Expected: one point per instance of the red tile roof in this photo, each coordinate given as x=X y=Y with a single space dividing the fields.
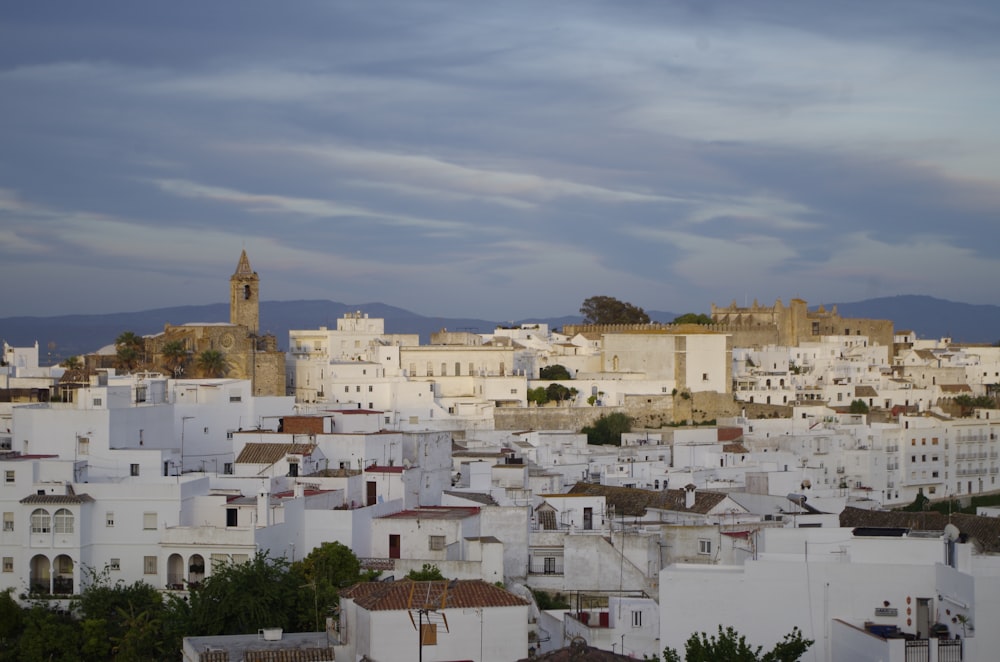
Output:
x=442 y=594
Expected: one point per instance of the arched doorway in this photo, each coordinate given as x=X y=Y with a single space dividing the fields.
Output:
x=40 y=579
x=175 y=572
x=62 y=580
x=196 y=569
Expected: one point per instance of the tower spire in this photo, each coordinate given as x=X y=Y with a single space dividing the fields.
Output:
x=243 y=266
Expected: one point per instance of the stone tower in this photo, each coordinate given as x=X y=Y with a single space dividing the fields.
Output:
x=244 y=292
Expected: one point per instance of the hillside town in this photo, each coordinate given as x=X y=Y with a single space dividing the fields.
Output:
x=602 y=487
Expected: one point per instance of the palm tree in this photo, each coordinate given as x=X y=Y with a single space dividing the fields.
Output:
x=72 y=363
x=129 y=347
x=175 y=355
x=212 y=363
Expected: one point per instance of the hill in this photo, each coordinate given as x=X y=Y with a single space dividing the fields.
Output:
x=67 y=335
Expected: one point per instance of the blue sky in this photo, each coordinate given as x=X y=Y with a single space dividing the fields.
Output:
x=498 y=160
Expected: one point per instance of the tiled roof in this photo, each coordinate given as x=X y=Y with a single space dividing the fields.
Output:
x=956 y=388
x=984 y=531
x=634 y=502
x=735 y=447
x=865 y=391
x=442 y=594
x=435 y=512
x=478 y=497
x=269 y=453
x=56 y=499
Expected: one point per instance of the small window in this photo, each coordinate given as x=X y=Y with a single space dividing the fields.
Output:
x=149 y=521
x=149 y=565
x=370 y=388
x=227 y=468
x=109 y=519
x=8 y=476
x=240 y=558
x=704 y=546
x=229 y=434
x=115 y=565
x=232 y=516
x=435 y=543
x=637 y=619
x=8 y=521
x=550 y=565
x=8 y=564
x=134 y=469
x=98 y=402
x=704 y=376
x=347 y=389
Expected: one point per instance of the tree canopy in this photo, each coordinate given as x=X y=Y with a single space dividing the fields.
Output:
x=556 y=371
x=429 y=572
x=730 y=646
x=608 y=429
x=212 y=363
x=858 y=407
x=609 y=310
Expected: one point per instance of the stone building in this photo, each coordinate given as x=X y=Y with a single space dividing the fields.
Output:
x=246 y=353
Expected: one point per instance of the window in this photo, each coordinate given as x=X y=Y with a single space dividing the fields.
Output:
x=704 y=546
x=63 y=521
x=149 y=565
x=637 y=619
x=8 y=477
x=704 y=376
x=8 y=521
x=40 y=522
x=236 y=398
x=370 y=388
x=149 y=521
x=227 y=468
x=98 y=402
x=240 y=558
x=219 y=559
x=109 y=519
x=232 y=517
x=550 y=565
x=115 y=565
x=8 y=564
x=435 y=543
x=134 y=469
x=934 y=441
x=347 y=389
x=229 y=434
x=357 y=389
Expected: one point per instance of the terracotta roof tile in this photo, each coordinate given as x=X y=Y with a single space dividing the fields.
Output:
x=269 y=453
x=634 y=502
x=442 y=594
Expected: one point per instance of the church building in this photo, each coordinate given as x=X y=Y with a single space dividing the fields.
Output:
x=235 y=349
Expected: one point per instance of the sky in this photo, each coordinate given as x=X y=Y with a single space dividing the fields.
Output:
x=500 y=160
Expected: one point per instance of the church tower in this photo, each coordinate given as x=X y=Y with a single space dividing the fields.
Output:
x=244 y=290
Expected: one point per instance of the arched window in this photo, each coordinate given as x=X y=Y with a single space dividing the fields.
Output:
x=63 y=521
x=40 y=521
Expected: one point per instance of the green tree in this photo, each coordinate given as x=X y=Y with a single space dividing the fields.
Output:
x=175 y=355
x=72 y=363
x=608 y=429
x=539 y=395
x=609 y=310
x=119 y=615
x=731 y=646
x=212 y=363
x=128 y=351
x=326 y=570
x=240 y=598
x=859 y=407
x=554 y=372
x=693 y=318
x=557 y=392
x=429 y=572
x=48 y=636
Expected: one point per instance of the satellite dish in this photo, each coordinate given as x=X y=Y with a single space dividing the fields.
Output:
x=951 y=532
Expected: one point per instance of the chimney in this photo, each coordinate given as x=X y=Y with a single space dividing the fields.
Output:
x=689 y=495
x=263 y=507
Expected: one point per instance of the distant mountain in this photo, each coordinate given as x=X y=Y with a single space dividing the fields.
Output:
x=68 y=335
x=930 y=317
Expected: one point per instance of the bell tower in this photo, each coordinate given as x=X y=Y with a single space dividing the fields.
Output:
x=244 y=291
